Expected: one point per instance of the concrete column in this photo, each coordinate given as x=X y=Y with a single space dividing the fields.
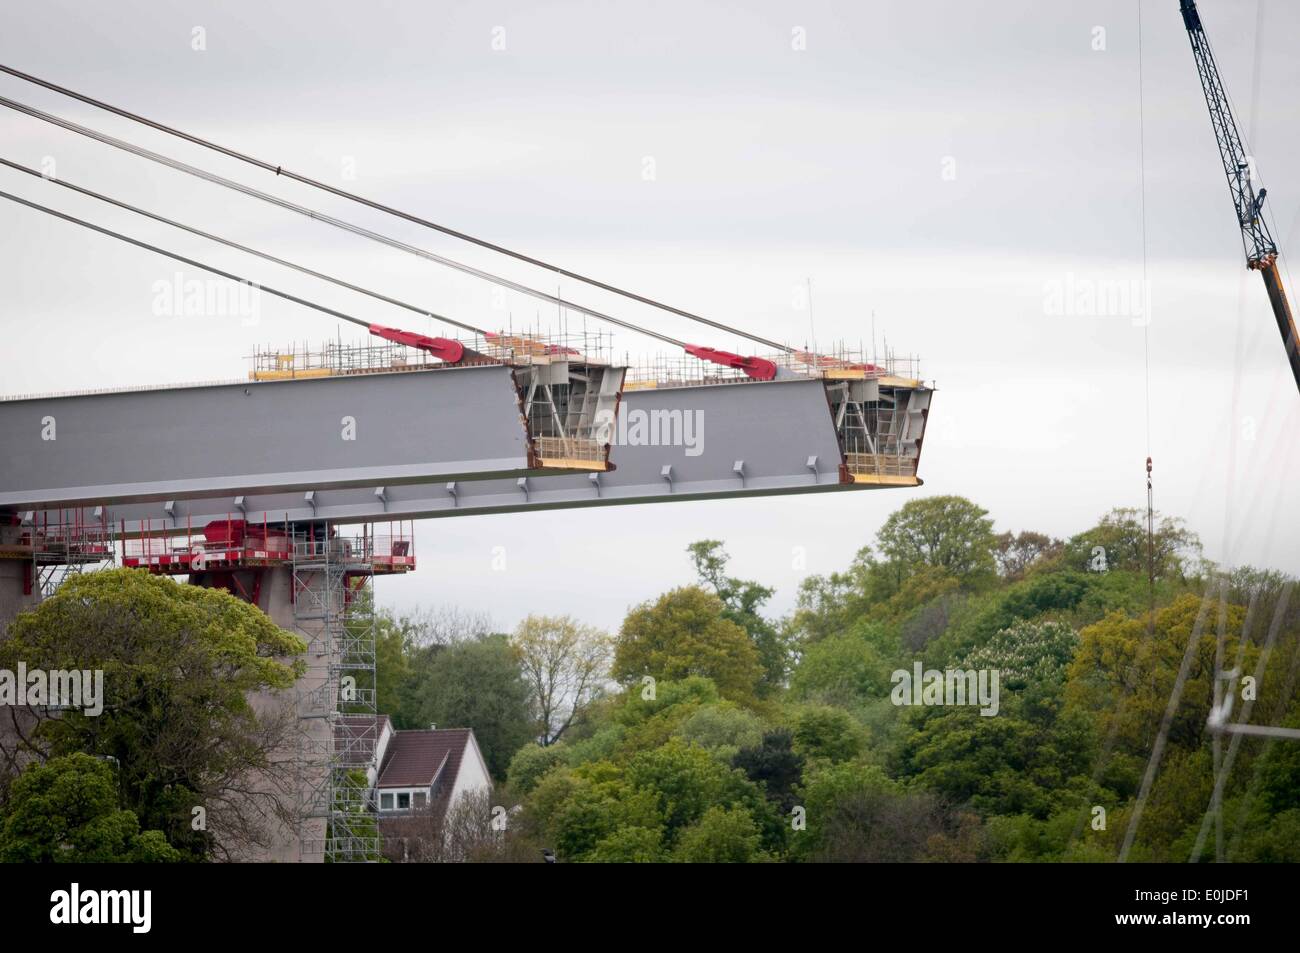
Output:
x=314 y=702
x=310 y=702
x=12 y=600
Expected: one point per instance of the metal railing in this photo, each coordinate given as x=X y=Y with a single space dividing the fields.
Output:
x=683 y=370
x=570 y=448
x=259 y=542
x=880 y=464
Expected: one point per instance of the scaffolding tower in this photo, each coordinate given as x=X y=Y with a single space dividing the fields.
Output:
x=333 y=606
x=61 y=544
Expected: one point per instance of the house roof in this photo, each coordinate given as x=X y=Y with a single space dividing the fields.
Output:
x=415 y=759
x=356 y=738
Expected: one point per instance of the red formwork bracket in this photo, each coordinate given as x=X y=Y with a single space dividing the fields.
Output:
x=442 y=348
x=754 y=367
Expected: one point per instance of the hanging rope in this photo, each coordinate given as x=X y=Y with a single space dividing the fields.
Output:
x=1146 y=329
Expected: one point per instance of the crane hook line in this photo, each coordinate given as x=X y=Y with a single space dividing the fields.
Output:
x=389 y=210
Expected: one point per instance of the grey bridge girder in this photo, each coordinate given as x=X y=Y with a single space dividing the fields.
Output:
x=748 y=439
x=460 y=423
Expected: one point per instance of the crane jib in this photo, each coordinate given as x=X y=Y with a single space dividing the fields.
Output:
x=1257 y=241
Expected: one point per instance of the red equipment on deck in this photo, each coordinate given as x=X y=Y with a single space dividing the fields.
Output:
x=444 y=349
x=755 y=367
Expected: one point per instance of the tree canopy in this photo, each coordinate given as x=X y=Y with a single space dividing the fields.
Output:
x=944 y=532
x=65 y=810
x=565 y=664
x=704 y=764
x=476 y=683
x=180 y=666
x=686 y=632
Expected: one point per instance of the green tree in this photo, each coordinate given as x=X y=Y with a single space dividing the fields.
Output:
x=639 y=705
x=577 y=811
x=66 y=811
x=685 y=633
x=648 y=719
x=945 y=532
x=685 y=781
x=1119 y=541
x=1046 y=596
x=856 y=813
x=1123 y=678
x=180 y=663
x=1027 y=653
x=530 y=763
x=827 y=733
x=477 y=684
x=404 y=648
x=722 y=729
x=1015 y=763
x=565 y=664
x=743 y=599
x=394 y=677
x=832 y=603
x=630 y=845
x=721 y=836
x=845 y=668
x=930 y=548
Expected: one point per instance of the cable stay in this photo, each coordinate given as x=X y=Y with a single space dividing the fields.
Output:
x=445 y=349
x=387 y=333
x=302 y=269
x=370 y=203
x=754 y=367
x=215 y=179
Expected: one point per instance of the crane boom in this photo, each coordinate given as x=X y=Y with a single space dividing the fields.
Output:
x=1257 y=240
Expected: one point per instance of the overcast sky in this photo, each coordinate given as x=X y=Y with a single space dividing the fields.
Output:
x=950 y=166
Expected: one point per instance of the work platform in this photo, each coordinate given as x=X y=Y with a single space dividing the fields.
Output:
x=231 y=545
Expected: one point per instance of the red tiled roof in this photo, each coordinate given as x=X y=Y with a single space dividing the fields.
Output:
x=415 y=758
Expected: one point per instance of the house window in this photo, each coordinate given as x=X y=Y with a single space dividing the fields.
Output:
x=403 y=802
x=419 y=799
x=385 y=802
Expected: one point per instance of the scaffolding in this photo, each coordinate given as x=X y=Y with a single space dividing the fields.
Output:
x=567 y=386
x=341 y=358
x=55 y=545
x=838 y=363
x=571 y=408
x=881 y=428
x=333 y=606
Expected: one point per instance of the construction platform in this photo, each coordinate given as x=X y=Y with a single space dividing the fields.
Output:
x=234 y=544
